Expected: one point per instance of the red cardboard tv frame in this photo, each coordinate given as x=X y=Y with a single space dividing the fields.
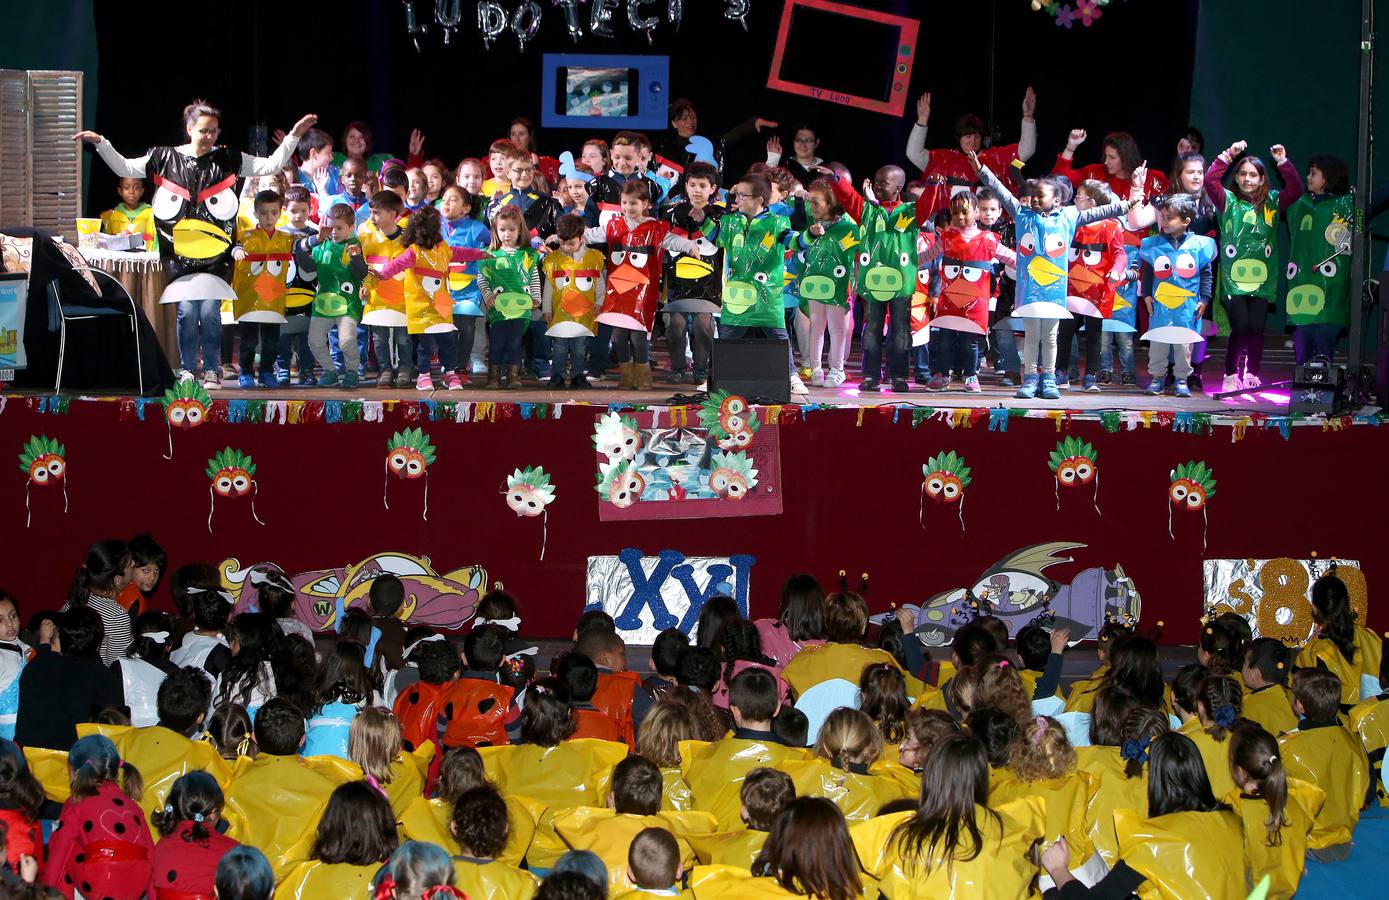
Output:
x=902 y=67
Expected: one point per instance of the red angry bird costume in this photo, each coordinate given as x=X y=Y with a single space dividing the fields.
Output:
x=1096 y=252
x=966 y=267
x=633 y=273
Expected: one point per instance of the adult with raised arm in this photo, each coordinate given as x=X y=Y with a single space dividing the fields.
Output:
x=195 y=208
x=1121 y=157
x=948 y=170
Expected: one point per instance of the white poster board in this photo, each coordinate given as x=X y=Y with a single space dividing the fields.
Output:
x=647 y=594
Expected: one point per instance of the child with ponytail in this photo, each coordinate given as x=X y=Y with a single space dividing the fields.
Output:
x=21 y=797
x=190 y=848
x=102 y=844
x=1278 y=811
x=1342 y=646
x=1219 y=703
x=1121 y=772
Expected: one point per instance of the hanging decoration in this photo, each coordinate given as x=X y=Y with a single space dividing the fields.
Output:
x=491 y=21
x=185 y=407
x=448 y=13
x=1192 y=485
x=600 y=18
x=737 y=11
x=731 y=475
x=409 y=454
x=528 y=493
x=570 y=9
x=1086 y=12
x=1074 y=464
x=617 y=437
x=232 y=474
x=675 y=13
x=728 y=420
x=413 y=28
x=945 y=477
x=44 y=462
x=620 y=483
x=645 y=24
x=526 y=22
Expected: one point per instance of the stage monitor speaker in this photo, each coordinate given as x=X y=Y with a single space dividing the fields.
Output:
x=753 y=368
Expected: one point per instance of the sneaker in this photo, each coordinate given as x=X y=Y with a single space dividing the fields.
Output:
x=1181 y=389
x=1050 y=389
x=900 y=386
x=703 y=385
x=817 y=378
x=937 y=383
x=1105 y=377
x=972 y=384
x=798 y=386
x=349 y=381
x=1128 y=378
x=1090 y=384
x=270 y=380
x=245 y=381
x=185 y=375
x=1155 y=386
x=228 y=373
x=452 y=382
x=1063 y=383
x=328 y=379
x=211 y=381
x=1010 y=380
x=282 y=378
x=556 y=382
x=834 y=378
x=580 y=383
x=386 y=379
x=870 y=385
x=424 y=382
x=402 y=378
x=1230 y=384
x=921 y=378
x=478 y=366
x=1028 y=389
x=464 y=379
x=306 y=379
x=1251 y=382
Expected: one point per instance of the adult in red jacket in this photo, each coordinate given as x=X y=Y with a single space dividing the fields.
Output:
x=1121 y=157
x=948 y=171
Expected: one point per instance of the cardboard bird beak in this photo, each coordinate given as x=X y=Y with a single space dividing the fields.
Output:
x=1044 y=271
x=627 y=278
x=196 y=239
x=1171 y=296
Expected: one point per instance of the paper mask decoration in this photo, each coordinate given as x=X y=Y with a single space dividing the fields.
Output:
x=728 y=420
x=44 y=462
x=1015 y=590
x=945 y=478
x=1192 y=486
x=1074 y=462
x=620 y=483
x=185 y=406
x=1275 y=595
x=437 y=599
x=731 y=475
x=409 y=454
x=617 y=437
x=568 y=170
x=232 y=474
x=528 y=493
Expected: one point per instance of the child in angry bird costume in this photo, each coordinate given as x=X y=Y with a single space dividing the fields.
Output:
x=635 y=806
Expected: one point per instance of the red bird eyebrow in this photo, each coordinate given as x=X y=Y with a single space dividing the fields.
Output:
x=217 y=188
x=172 y=187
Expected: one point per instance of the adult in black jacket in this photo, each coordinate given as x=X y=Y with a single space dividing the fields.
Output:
x=59 y=690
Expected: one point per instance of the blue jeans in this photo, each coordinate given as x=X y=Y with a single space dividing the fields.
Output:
x=292 y=347
x=383 y=337
x=738 y=332
x=566 y=352
x=1122 y=342
x=540 y=349
x=505 y=341
x=955 y=351
x=445 y=343
x=899 y=337
x=1309 y=341
x=335 y=351
x=1006 y=343
x=599 y=350
x=200 y=325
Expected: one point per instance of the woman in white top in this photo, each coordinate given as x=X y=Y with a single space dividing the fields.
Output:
x=98 y=582
x=145 y=666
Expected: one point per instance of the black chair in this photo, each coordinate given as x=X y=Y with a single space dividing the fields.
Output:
x=60 y=314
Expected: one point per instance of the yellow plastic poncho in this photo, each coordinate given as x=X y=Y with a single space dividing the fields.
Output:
x=1272 y=707
x=1216 y=755
x=1369 y=652
x=1284 y=862
x=385 y=300
x=1185 y=856
x=162 y=756
x=1333 y=759
x=609 y=834
x=1370 y=720
x=728 y=848
x=823 y=662
x=569 y=774
x=1002 y=870
x=859 y=797
x=262 y=278
x=1082 y=695
x=675 y=793
x=314 y=880
x=643 y=894
x=715 y=772
x=273 y=803
x=1116 y=791
x=493 y=878
x=409 y=772
x=892 y=769
x=1066 y=803
x=732 y=883
x=50 y=767
x=428 y=304
x=428 y=820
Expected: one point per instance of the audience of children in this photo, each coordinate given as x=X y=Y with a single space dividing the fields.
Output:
x=849 y=251
x=335 y=795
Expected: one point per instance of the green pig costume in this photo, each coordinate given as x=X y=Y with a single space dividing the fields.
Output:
x=887 y=259
x=754 y=268
x=828 y=269
x=339 y=284
x=509 y=274
x=1319 y=262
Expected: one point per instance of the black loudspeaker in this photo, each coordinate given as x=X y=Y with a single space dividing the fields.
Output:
x=753 y=368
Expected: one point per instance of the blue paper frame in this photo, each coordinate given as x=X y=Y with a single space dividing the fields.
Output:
x=653 y=91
